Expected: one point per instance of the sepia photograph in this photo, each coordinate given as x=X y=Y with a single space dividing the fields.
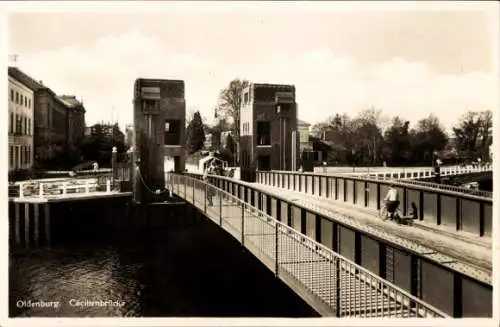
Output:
x=251 y=159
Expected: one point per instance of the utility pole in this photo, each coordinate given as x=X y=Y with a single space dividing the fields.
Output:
x=13 y=59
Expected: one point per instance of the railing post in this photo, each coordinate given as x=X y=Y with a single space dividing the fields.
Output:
x=64 y=188
x=41 y=190
x=185 y=186
x=21 y=190
x=276 y=254
x=194 y=202
x=220 y=207
x=86 y=187
x=242 y=223
x=337 y=286
x=108 y=186
x=205 y=196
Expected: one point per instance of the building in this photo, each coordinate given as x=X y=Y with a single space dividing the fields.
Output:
x=76 y=118
x=57 y=121
x=21 y=117
x=160 y=109
x=268 y=127
x=304 y=143
x=129 y=134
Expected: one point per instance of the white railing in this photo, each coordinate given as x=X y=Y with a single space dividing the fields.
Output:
x=339 y=286
x=418 y=173
x=44 y=190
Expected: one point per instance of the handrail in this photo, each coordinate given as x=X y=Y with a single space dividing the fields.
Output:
x=346 y=284
x=397 y=182
x=41 y=190
x=453 y=188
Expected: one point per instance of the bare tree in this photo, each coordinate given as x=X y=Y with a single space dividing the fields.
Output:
x=230 y=106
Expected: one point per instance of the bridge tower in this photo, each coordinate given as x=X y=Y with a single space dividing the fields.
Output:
x=159 y=124
x=268 y=129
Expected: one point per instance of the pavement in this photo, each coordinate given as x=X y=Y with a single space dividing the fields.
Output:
x=472 y=257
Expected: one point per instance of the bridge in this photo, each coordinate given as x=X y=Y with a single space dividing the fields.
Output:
x=443 y=262
x=330 y=283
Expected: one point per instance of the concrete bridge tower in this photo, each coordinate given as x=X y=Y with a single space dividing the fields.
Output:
x=159 y=124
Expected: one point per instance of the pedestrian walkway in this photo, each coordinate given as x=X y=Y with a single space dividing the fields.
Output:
x=330 y=283
x=465 y=255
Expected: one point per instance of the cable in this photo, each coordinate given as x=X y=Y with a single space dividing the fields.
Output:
x=144 y=183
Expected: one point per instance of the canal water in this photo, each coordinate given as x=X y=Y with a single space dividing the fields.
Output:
x=124 y=264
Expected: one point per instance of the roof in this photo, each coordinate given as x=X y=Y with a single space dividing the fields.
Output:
x=25 y=79
x=301 y=122
x=70 y=101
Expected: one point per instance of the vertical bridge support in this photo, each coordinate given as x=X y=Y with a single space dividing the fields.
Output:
x=159 y=122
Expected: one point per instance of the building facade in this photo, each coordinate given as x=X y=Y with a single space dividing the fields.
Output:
x=304 y=143
x=268 y=127
x=75 y=118
x=20 y=130
x=58 y=121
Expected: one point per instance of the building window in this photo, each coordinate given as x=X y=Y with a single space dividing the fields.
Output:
x=16 y=158
x=150 y=105
x=25 y=101
x=17 y=129
x=263 y=133
x=29 y=155
x=172 y=132
x=29 y=126
x=11 y=156
x=25 y=126
x=11 y=125
x=12 y=95
x=29 y=103
x=17 y=97
x=245 y=98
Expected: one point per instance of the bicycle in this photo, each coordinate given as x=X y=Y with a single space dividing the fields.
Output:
x=384 y=214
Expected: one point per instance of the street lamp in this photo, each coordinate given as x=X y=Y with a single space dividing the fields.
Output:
x=114 y=153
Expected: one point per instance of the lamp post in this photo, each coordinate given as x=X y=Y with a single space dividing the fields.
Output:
x=113 y=165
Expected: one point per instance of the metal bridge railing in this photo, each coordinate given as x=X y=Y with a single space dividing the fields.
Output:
x=452 y=188
x=60 y=187
x=338 y=284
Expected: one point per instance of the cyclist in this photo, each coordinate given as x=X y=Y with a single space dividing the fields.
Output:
x=391 y=201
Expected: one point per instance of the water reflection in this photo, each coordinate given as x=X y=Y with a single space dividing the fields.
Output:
x=192 y=270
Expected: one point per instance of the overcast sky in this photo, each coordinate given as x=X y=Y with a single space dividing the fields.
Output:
x=406 y=62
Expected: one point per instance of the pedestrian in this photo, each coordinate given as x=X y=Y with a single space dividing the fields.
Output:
x=391 y=201
x=210 y=170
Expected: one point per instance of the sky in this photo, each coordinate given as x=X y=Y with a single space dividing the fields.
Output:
x=410 y=60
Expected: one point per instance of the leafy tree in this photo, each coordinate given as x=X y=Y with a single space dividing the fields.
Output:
x=397 y=143
x=99 y=144
x=473 y=134
x=230 y=105
x=428 y=137
x=195 y=133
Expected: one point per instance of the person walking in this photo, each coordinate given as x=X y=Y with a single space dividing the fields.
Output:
x=210 y=170
x=392 y=201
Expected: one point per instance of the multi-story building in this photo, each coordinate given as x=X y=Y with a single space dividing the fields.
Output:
x=20 y=124
x=58 y=121
x=304 y=143
x=268 y=127
x=76 y=118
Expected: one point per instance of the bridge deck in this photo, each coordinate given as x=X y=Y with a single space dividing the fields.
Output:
x=464 y=253
x=303 y=267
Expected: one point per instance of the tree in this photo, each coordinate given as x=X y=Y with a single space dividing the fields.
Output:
x=195 y=134
x=369 y=135
x=230 y=105
x=428 y=137
x=473 y=134
x=397 y=143
x=98 y=145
